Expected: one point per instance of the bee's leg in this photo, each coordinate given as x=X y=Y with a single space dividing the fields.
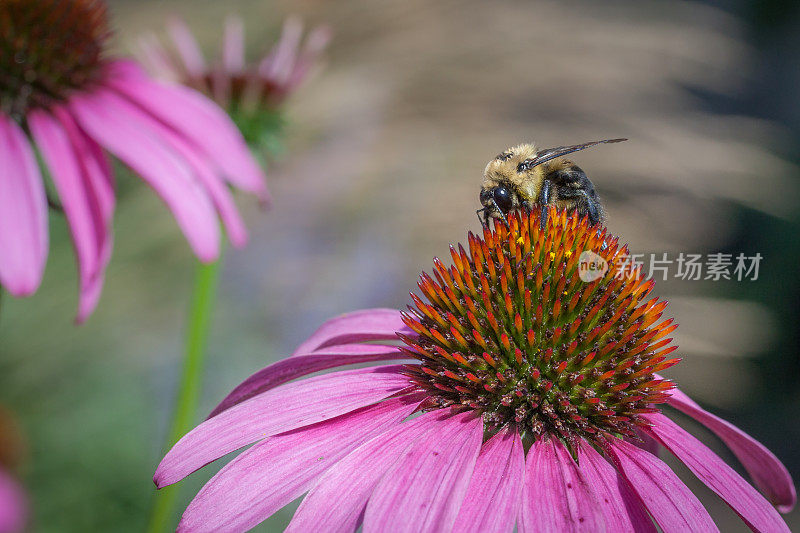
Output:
x=572 y=182
x=544 y=200
x=588 y=203
x=482 y=219
x=594 y=210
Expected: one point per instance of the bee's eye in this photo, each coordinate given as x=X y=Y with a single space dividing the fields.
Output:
x=502 y=197
x=522 y=167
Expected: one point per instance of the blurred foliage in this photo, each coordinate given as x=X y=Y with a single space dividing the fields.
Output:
x=773 y=29
x=263 y=129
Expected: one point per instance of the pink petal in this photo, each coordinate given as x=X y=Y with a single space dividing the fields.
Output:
x=96 y=164
x=495 y=490
x=358 y=326
x=23 y=213
x=669 y=501
x=86 y=211
x=621 y=507
x=279 y=469
x=156 y=59
x=350 y=482
x=280 y=67
x=301 y=365
x=197 y=119
x=100 y=184
x=123 y=130
x=263 y=67
x=425 y=488
x=205 y=172
x=13 y=506
x=220 y=82
x=556 y=495
x=282 y=409
x=233 y=45
x=187 y=48
x=748 y=503
x=645 y=442
x=767 y=471
x=316 y=42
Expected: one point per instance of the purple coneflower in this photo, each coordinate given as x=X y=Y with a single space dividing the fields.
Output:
x=13 y=503
x=63 y=97
x=250 y=92
x=533 y=400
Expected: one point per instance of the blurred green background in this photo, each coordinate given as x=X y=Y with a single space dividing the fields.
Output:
x=380 y=171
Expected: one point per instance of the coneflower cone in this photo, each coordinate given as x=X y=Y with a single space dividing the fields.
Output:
x=513 y=331
x=49 y=48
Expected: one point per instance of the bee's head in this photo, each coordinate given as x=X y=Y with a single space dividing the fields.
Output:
x=504 y=181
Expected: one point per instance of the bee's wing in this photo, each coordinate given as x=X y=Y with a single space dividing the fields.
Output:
x=551 y=153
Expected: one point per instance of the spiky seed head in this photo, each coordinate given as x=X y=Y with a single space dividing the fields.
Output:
x=512 y=330
x=49 y=49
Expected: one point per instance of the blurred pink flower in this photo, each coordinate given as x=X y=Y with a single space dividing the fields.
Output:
x=233 y=83
x=61 y=97
x=13 y=506
x=13 y=502
x=538 y=396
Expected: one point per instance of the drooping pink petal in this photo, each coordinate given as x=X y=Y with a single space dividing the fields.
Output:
x=767 y=471
x=280 y=67
x=187 y=47
x=205 y=171
x=13 y=506
x=294 y=367
x=495 y=490
x=556 y=495
x=425 y=488
x=358 y=326
x=23 y=213
x=278 y=410
x=350 y=482
x=279 y=469
x=156 y=59
x=669 y=501
x=315 y=43
x=96 y=165
x=232 y=61
x=748 y=503
x=68 y=178
x=645 y=442
x=622 y=509
x=233 y=45
x=84 y=209
x=220 y=83
x=100 y=186
x=263 y=67
x=195 y=118
x=118 y=126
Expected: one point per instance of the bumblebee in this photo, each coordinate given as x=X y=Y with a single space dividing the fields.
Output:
x=525 y=176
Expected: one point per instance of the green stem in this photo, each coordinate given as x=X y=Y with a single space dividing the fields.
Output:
x=203 y=297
